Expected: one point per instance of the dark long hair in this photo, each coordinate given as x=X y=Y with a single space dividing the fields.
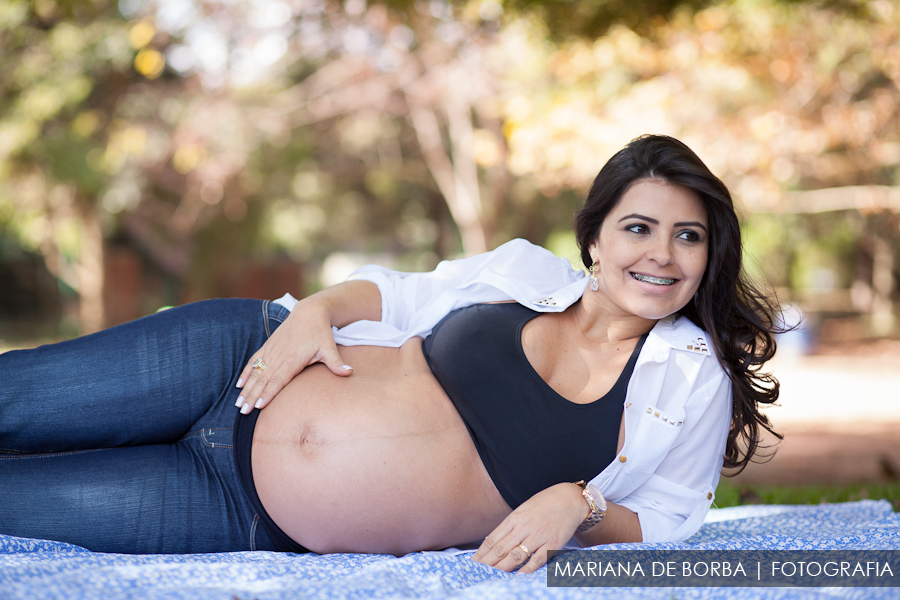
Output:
x=738 y=316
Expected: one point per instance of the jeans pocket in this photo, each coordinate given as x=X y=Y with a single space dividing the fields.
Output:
x=219 y=437
x=273 y=316
x=253 y=529
x=259 y=536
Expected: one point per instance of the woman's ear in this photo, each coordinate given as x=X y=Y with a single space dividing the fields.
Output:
x=593 y=250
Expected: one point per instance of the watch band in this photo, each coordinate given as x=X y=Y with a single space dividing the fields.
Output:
x=597 y=513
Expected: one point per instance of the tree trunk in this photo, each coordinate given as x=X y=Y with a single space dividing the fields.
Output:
x=91 y=311
x=456 y=174
x=882 y=284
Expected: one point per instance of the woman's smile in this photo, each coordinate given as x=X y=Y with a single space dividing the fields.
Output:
x=653 y=280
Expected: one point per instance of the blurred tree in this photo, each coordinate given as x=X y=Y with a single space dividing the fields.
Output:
x=98 y=141
x=776 y=97
x=204 y=131
x=56 y=56
x=430 y=77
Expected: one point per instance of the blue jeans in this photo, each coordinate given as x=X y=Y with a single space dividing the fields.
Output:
x=121 y=441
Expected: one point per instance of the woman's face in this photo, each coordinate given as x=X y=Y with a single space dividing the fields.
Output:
x=652 y=250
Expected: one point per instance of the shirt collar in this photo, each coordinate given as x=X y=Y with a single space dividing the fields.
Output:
x=676 y=332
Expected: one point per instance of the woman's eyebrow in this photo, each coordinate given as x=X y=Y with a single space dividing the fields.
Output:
x=655 y=222
x=692 y=224
x=637 y=216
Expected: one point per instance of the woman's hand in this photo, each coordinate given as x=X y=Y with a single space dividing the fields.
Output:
x=546 y=521
x=303 y=339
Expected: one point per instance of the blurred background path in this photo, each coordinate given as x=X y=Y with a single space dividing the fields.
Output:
x=840 y=415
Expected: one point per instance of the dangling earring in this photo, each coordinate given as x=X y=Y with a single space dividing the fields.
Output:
x=595 y=285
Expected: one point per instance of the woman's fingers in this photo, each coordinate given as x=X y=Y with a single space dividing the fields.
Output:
x=518 y=555
x=253 y=381
x=271 y=368
x=506 y=548
x=245 y=374
x=260 y=385
x=331 y=358
x=264 y=385
x=537 y=560
x=527 y=555
x=492 y=549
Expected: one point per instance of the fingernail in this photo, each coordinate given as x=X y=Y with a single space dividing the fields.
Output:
x=240 y=382
x=347 y=367
x=240 y=401
x=259 y=403
x=245 y=410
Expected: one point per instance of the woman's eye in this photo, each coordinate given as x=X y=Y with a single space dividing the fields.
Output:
x=637 y=228
x=690 y=236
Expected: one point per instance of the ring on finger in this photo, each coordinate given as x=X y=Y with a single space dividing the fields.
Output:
x=259 y=364
x=525 y=550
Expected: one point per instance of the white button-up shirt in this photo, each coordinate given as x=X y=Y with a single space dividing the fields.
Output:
x=678 y=403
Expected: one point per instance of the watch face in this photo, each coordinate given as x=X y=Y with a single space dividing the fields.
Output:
x=597 y=496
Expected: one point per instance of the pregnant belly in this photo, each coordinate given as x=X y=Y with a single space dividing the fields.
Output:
x=376 y=462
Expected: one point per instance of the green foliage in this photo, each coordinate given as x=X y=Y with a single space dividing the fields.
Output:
x=815 y=253
x=567 y=19
x=562 y=243
x=57 y=58
x=593 y=18
x=767 y=249
x=53 y=59
x=824 y=258
x=730 y=494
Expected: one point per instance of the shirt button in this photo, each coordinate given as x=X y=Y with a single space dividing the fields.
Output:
x=623 y=458
x=709 y=496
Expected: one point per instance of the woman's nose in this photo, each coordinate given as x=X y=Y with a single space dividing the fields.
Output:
x=661 y=251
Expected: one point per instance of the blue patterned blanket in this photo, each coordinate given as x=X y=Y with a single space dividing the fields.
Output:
x=38 y=569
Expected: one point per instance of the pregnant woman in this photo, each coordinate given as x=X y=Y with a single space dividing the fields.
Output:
x=502 y=399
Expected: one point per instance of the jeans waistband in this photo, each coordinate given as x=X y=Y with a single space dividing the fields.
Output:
x=243 y=442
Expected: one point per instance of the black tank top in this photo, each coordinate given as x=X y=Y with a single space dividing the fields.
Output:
x=528 y=436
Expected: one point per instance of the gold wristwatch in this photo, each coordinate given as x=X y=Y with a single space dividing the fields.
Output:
x=595 y=501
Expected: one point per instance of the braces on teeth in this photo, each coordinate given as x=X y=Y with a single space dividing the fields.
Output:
x=656 y=280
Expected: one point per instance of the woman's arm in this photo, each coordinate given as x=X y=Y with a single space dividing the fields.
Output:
x=619 y=526
x=668 y=511
x=413 y=303
x=402 y=305
x=546 y=521
x=306 y=338
x=673 y=501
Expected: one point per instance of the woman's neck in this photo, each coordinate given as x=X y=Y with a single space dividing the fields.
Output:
x=600 y=323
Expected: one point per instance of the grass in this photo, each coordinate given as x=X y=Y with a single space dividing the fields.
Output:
x=729 y=494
